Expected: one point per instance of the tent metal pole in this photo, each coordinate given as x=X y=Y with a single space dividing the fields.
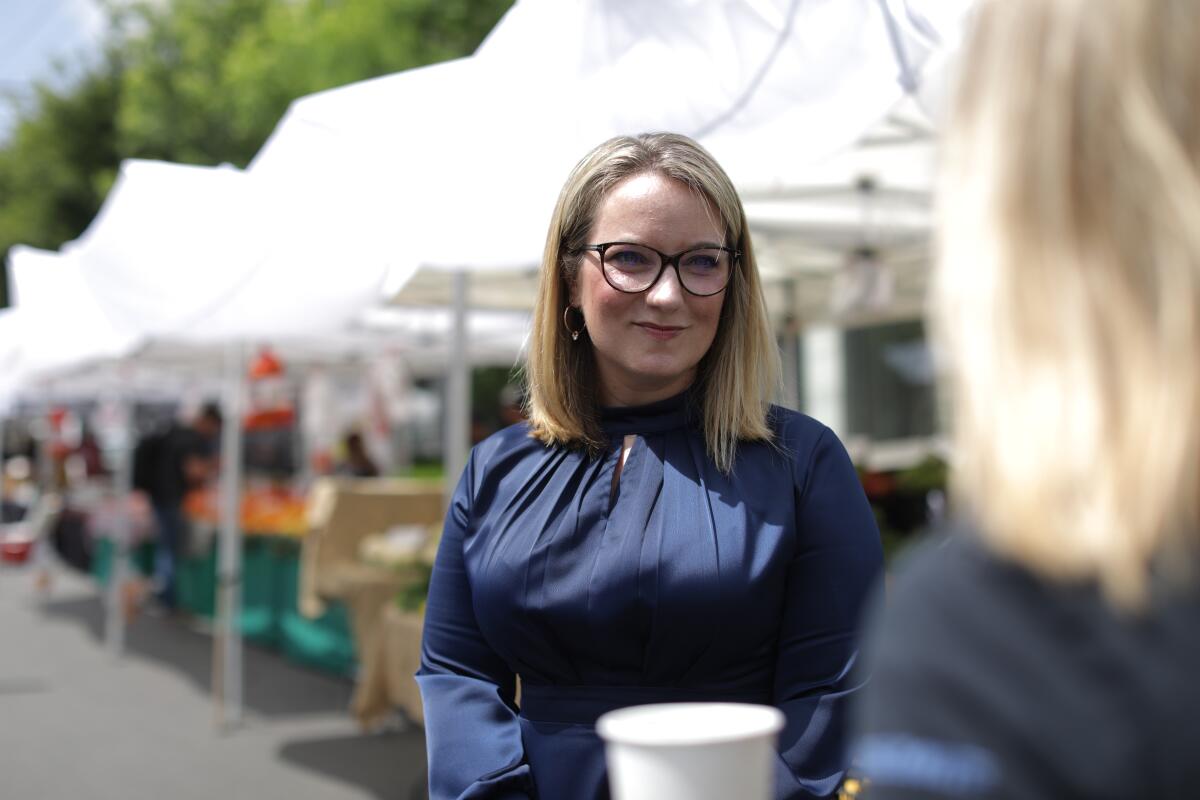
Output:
x=790 y=348
x=824 y=375
x=458 y=388
x=114 y=628
x=227 y=660
x=43 y=435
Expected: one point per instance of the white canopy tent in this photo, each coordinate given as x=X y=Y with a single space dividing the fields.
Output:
x=210 y=255
x=10 y=355
x=456 y=167
x=60 y=325
x=770 y=88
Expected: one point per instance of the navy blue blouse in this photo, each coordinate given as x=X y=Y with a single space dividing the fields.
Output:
x=682 y=584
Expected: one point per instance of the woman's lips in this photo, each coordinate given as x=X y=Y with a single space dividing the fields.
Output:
x=660 y=332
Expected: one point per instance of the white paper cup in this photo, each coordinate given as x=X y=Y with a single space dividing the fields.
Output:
x=691 y=751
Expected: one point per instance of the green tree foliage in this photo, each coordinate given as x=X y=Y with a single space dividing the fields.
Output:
x=59 y=163
x=304 y=47
x=205 y=82
x=176 y=98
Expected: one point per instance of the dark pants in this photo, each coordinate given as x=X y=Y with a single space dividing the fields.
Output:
x=171 y=527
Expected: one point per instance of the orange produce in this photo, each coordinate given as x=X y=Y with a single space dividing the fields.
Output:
x=264 y=511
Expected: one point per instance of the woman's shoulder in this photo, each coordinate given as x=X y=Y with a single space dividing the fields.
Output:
x=799 y=434
x=1040 y=677
x=942 y=585
x=514 y=441
x=511 y=461
x=791 y=425
x=943 y=588
x=801 y=441
x=946 y=550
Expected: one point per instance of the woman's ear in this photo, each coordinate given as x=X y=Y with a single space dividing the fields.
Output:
x=574 y=296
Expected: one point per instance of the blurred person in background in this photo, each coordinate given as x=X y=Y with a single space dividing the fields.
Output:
x=657 y=531
x=512 y=405
x=168 y=464
x=18 y=489
x=1049 y=647
x=88 y=456
x=357 y=462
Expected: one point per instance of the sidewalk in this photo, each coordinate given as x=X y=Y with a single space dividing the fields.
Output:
x=77 y=723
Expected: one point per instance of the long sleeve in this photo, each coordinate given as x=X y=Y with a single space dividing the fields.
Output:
x=473 y=736
x=838 y=559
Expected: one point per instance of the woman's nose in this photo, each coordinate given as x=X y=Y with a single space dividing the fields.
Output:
x=667 y=291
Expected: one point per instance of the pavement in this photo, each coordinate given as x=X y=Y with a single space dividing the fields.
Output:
x=79 y=722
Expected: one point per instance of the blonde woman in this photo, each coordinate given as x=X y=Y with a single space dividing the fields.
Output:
x=1051 y=648
x=657 y=531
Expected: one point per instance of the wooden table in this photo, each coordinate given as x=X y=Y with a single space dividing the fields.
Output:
x=388 y=665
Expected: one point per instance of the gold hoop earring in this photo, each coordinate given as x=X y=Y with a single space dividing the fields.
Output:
x=567 y=325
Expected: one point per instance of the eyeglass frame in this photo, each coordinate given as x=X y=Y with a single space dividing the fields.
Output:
x=667 y=261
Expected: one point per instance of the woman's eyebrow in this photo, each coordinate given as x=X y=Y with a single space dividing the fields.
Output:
x=693 y=246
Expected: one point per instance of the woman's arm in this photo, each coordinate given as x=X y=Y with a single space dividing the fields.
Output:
x=472 y=733
x=838 y=559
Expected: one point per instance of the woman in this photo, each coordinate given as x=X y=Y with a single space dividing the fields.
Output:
x=1050 y=648
x=656 y=531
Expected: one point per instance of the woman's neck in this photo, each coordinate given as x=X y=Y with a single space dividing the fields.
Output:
x=620 y=394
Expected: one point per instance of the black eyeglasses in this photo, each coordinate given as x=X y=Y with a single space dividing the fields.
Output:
x=633 y=268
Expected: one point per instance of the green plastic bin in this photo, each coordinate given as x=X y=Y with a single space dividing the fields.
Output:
x=141 y=558
x=196 y=583
x=325 y=643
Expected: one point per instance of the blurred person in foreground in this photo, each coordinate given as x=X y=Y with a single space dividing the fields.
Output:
x=1050 y=646
x=167 y=465
x=657 y=531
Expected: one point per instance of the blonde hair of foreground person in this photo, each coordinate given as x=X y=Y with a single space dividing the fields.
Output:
x=1067 y=287
x=739 y=375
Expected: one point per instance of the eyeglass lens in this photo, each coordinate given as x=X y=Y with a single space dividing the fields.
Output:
x=633 y=268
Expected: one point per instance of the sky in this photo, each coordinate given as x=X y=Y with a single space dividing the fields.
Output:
x=34 y=35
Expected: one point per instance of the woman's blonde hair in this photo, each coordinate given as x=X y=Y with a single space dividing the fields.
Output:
x=740 y=373
x=1066 y=291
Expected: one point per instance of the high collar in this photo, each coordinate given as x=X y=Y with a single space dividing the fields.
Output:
x=662 y=415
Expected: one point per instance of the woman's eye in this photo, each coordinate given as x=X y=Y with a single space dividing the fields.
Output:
x=700 y=261
x=627 y=258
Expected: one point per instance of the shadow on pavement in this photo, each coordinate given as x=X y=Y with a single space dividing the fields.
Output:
x=389 y=766
x=272 y=687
